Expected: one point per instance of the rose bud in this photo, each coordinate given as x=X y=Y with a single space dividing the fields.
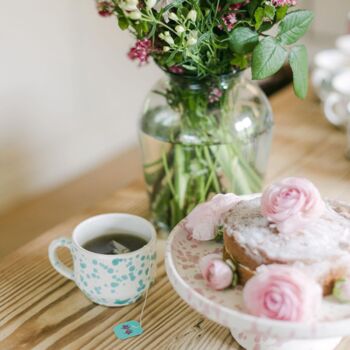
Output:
x=216 y=272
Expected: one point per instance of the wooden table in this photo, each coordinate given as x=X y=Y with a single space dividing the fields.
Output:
x=39 y=309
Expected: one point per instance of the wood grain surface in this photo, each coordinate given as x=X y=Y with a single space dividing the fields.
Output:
x=39 y=309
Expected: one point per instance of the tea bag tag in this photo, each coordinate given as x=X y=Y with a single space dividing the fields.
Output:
x=119 y=248
x=131 y=328
x=127 y=330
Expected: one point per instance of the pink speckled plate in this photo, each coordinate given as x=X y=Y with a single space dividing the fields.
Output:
x=226 y=307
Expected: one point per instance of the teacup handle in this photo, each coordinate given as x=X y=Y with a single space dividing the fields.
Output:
x=331 y=116
x=56 y=262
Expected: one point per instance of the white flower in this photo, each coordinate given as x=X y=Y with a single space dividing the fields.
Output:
x=150 y=3
x=129 y=6
x=192 y=15
x=160 y=5
x=167 y=38
x=173 y=16
x=192 y=38
x=166 y=48
x=135 y=15
x=179 y=29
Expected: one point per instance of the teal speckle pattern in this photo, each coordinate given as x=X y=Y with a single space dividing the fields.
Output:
x=118 y=281
x=116 y=261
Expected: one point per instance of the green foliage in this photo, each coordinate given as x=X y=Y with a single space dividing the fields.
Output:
x=270 y=12
x=243 y=40
x=268 y=57
x=240 y=61
x=259 y=15
x=281 y=13
x=219 y=234
x=294 y=26
x=299 y=64
x=123 y=23
x=211 y=37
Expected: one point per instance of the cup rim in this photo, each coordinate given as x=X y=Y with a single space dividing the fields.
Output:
x=115 y=256
x=335 y=80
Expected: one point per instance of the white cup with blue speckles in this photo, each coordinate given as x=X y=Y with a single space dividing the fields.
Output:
x=110 y=280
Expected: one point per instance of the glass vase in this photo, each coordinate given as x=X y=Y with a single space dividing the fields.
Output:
x=200 y=137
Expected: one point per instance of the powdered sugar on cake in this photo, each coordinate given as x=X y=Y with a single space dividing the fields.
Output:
x=324 y=241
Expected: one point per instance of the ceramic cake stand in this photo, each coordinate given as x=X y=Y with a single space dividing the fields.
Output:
x=226 y=307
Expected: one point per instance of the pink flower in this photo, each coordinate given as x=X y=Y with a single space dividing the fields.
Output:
x=176 y=70
x=104 y=8
x=215 y=271
x=282 y=293
x=202 y=222
x=278 y=3
x=230 y=20
x=214 y=95
x=341 y=290
x=141 y=51
x=291 y=204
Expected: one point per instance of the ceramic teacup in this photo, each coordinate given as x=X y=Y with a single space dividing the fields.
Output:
x=343 y=44
x=337 y=104
x=110 y=280
x=327 y=63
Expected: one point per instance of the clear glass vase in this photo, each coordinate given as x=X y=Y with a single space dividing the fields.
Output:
x=200 y=137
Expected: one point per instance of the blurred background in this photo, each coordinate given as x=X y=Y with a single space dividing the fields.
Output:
x=69 y=105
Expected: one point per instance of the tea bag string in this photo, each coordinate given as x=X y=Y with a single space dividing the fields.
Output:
x=144 y=305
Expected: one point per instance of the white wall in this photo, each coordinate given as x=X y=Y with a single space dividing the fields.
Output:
x=69 y=96
x=330 y=16
x=330 y=21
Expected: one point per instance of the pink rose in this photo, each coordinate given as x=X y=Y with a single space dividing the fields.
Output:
x=291 y=203
x=215 y=271
x=202 y=222
x=282 y=293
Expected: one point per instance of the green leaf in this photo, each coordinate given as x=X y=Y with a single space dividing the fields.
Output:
x=239 y=61
x=270 y=11
x=252 y=5
x=281 y=13
x=123 y=23
x=268 y=58
x=266 y=26
x=188 y=67
x=175 y=3
x=259 y=17
x=243 y=40
x=294 y=26
x=299 y=63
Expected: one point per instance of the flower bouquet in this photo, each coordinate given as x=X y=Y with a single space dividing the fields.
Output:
x=206 y=129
